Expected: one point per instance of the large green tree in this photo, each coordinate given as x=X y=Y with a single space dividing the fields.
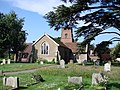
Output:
x=116 y=51
x=12 y=37
x=98 y=15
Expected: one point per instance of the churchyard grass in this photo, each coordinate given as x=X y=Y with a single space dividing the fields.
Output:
x=57 y=78
x=20 y=66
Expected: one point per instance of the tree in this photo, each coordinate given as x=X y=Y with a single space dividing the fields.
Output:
x=116 y=51
x=12 y=35
x=98 y=15
x=102 y=50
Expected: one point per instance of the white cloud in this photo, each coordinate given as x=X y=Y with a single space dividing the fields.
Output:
x=39 y=6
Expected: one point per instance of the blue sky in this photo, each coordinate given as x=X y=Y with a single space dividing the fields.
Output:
x=33 y=12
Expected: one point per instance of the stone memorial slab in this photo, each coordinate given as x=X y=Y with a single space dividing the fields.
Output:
x=107 y=67
x=11 y=81
x=62 y=63
x=97 y=77
x=76 y=80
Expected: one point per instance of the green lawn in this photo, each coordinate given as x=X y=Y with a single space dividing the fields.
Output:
x=20 y=66
x=57 y=78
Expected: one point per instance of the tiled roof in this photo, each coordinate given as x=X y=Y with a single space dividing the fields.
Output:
x=58 y=41
x=73 y=46
x=28 y=48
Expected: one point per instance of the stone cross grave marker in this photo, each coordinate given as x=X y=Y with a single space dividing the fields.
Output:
x=62 y=63
x=107 y=67
x=11 y=81
x=76 y=80
x=97 y=77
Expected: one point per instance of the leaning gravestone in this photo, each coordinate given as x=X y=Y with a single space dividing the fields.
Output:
x=107 y=67
x=8 y=61
x=76 y=80
x=11 y=81
x=62 y=63
x=97 y=77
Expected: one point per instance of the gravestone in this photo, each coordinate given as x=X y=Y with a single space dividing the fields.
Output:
x=82 y=59
x=76 y=80
x=71 y=61
x=97 y=77
x=8 y=61
x=41 y=62
x=4 y=61
x=11 y=81
x=107 y=67
x=62 y=63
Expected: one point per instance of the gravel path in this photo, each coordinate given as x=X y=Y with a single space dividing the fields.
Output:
x=32 y=70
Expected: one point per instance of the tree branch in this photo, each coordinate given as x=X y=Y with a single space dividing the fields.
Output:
x=118 y=39
x=110 y=33
x=97 y=7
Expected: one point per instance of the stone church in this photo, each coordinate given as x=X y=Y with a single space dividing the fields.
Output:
x=49 y=48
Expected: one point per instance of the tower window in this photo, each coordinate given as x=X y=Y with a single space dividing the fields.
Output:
x=66 y=35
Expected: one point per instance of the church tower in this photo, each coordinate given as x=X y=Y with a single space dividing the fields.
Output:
x=67 y=35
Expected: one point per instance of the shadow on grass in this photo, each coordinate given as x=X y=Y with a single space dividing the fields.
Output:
x=116 y=63
x=21 y=87
x=115 y=85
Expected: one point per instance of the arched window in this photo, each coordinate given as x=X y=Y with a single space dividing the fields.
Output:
x=66 y=35
x=44 y=48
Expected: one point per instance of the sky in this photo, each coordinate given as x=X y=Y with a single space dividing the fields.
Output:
x=35 y=25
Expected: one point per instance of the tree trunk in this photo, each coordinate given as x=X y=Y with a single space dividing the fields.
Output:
x=16 y=57
x=9 y=53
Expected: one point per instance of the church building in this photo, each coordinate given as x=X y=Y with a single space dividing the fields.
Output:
x=49 y=48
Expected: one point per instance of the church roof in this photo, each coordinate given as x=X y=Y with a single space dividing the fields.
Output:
x=56 y=41
x=73 y=46
x=28 y=48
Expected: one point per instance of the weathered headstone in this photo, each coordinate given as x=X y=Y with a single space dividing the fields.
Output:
x=11 y=81
x=97 y=77
x=4 y=61
x=71 y=61
x=41 y=62
x=107 y=67
x=8 y=61
x=82 y=58
x=62 y=63
x=76 y=80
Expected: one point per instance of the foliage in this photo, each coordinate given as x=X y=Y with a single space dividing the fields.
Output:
x=102 y=48
x=116 y=51
x=12 y=35
x=98 y=15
